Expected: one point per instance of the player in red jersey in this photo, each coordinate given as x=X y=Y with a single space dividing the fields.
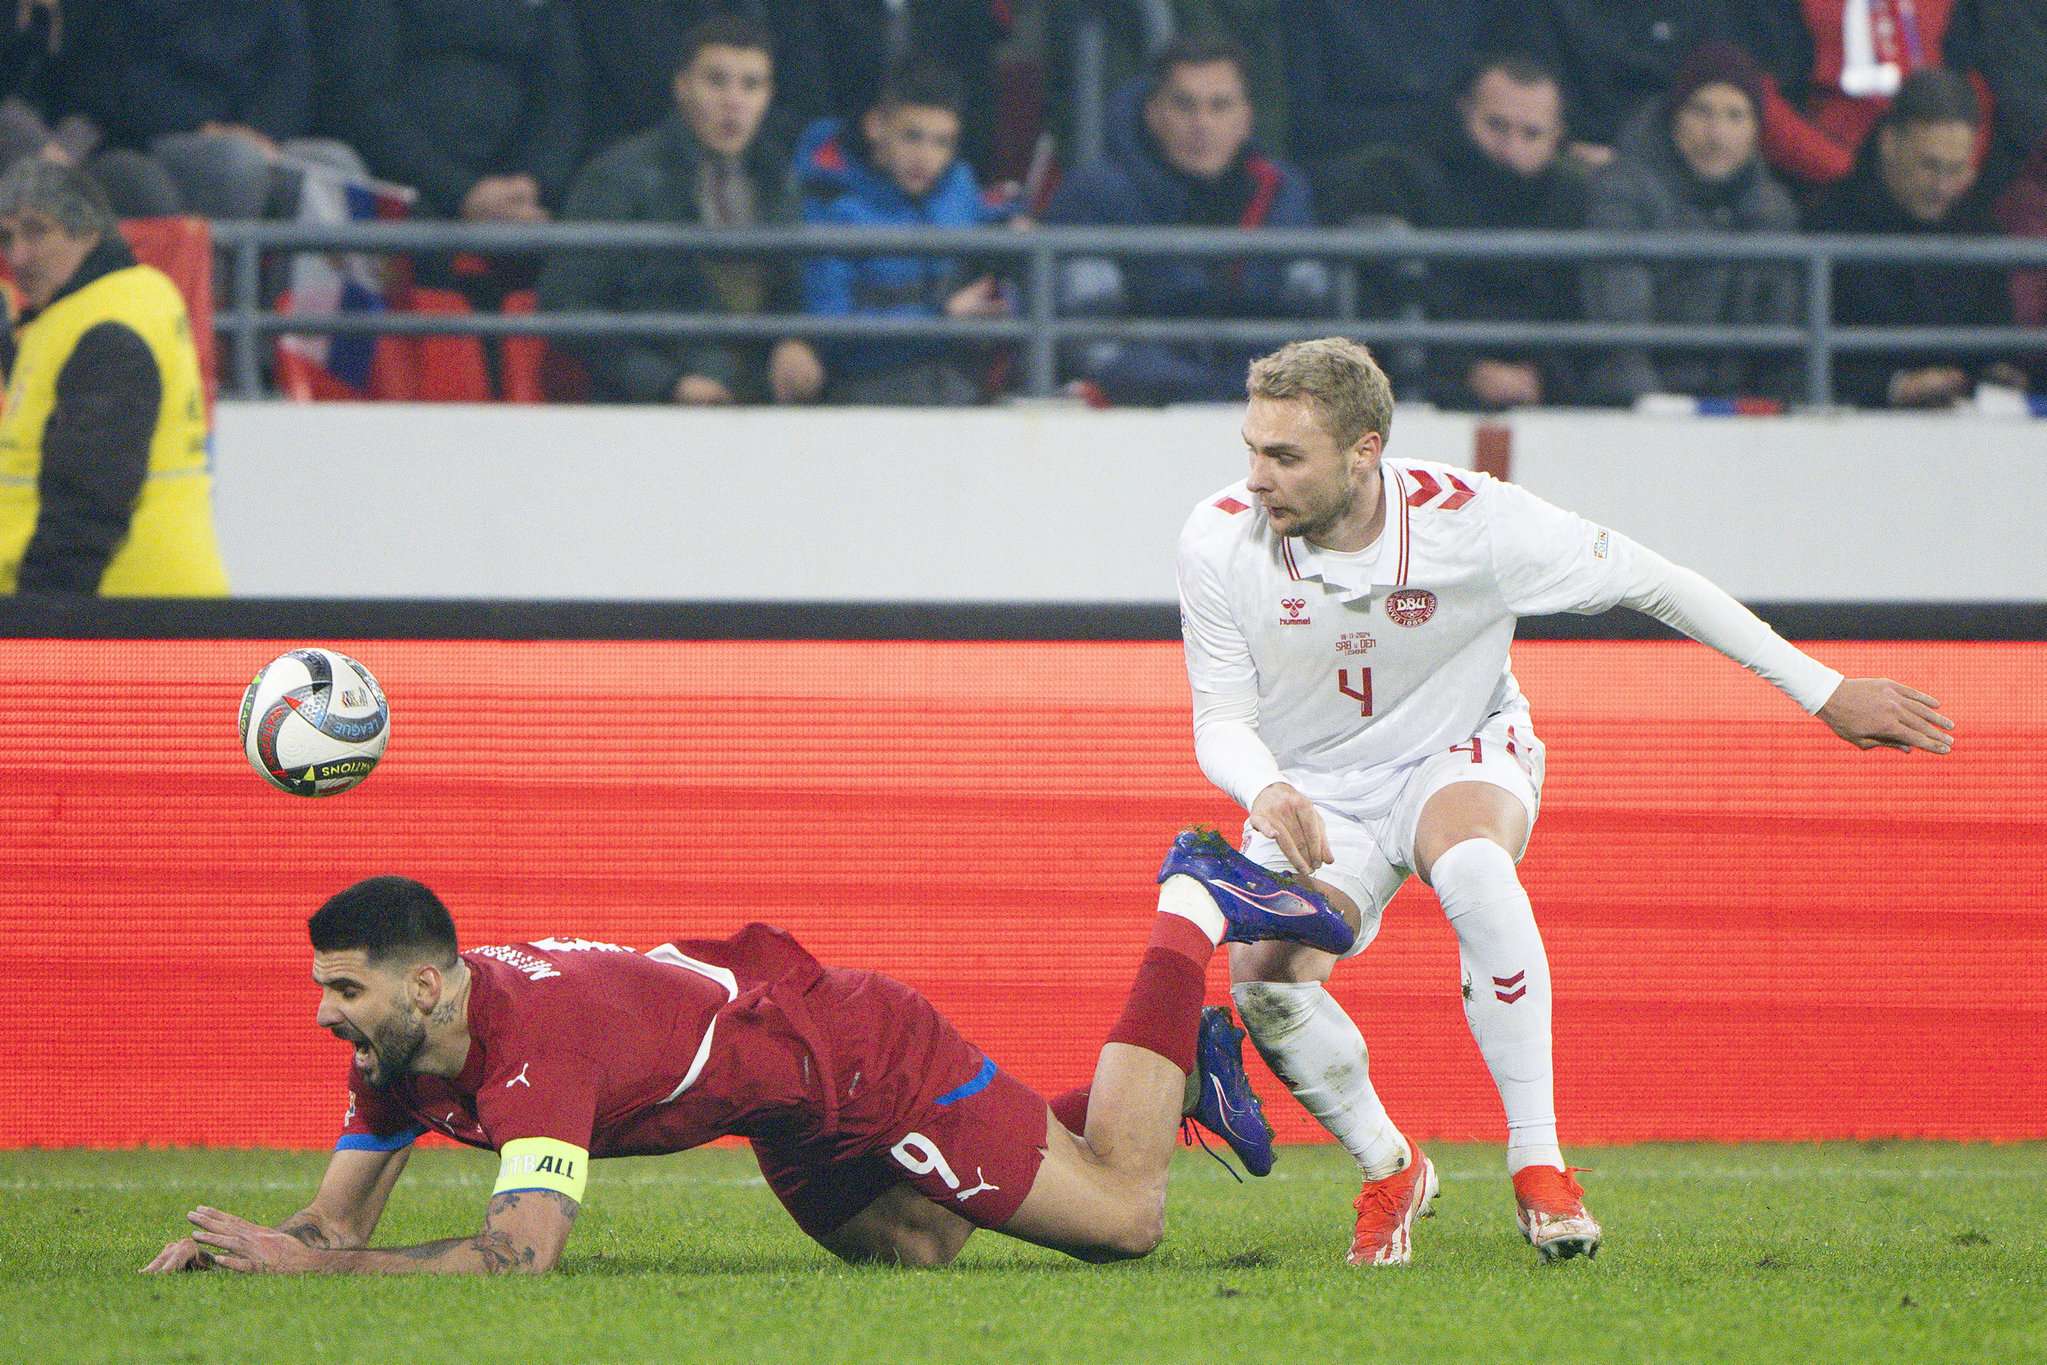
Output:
x=885 y=1133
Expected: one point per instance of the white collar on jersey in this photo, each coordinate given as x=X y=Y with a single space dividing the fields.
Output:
x=1302 y=560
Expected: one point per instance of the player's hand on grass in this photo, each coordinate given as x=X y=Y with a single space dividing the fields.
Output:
x=1876 y=712
x=1290 y=820
x=185 y=1255
x=237 y=1244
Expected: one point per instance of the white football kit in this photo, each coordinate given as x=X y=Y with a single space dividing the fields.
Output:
x=1369 y=681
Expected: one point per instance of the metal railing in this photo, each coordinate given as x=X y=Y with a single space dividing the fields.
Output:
x=1040 y=329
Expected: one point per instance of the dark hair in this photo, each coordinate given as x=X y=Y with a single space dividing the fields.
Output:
x=924 y=84
x=724 y=30
x=1935 y=95
x=1717 y=64
x=386 y=917
x=1522 y=68
x=1198 y=48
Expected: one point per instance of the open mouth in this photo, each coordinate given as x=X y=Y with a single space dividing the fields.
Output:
x=364 y=1053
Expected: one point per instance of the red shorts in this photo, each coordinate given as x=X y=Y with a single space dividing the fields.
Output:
x=918 y=1105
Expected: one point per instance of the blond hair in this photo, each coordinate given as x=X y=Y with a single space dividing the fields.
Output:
x=1338 y=376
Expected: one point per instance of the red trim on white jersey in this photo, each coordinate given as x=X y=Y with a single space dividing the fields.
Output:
x=1400 y=570
x=1286 y=553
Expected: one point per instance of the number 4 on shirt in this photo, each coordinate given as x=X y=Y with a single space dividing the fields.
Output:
x=1362 y=694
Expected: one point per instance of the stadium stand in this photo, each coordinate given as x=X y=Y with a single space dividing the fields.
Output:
x=488 y=109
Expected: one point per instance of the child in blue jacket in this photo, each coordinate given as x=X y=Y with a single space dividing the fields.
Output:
x=899 y=169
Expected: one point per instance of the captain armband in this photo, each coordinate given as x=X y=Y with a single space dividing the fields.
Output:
x=543 y=1164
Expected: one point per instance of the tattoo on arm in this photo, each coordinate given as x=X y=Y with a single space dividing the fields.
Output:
x=310 y=1234
x=432 y=1251
x=494 y=1247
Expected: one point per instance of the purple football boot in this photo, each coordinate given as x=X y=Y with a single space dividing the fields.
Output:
x=1257 y=904
x=1226 y=1106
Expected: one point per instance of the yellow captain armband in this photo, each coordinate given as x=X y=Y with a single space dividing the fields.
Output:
x=543 y=1164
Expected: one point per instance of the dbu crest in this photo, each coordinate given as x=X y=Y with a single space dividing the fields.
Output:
x=1410 y=606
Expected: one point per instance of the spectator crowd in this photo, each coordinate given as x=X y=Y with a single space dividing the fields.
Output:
x=1915 y=117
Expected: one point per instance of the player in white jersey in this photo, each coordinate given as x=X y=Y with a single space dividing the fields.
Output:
x=1347 y=623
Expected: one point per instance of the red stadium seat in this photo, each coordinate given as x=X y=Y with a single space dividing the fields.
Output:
x=303 y=380
x=182 y=248
x=521 y=360
x=446 y=369
x=424 y=369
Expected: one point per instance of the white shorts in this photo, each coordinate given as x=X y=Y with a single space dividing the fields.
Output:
x=1375 y=854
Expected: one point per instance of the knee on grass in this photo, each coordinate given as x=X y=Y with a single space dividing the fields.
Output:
x=1134 y=1237
x=911 y=1249
x=897 y=1231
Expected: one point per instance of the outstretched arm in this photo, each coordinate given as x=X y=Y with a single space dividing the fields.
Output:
x=343 y=1213
x=1551 y=560
x=1867 y=712
x=523 y=1231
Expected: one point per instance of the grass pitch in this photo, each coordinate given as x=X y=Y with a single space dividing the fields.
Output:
x=1838 y=1252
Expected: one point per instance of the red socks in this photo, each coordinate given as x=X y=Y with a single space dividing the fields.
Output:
x=1178 y=934
x=1164 y=1009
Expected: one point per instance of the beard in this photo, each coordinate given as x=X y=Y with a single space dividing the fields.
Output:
x=1317 y=523
x=392 y=1048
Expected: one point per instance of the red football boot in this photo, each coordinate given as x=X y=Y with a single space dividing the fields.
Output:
x=1552 y=1213
x=1387 y=1210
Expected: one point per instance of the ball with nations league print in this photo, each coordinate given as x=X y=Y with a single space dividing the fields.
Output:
x=314 y=722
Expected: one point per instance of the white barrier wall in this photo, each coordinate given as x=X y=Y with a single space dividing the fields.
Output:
x=1845 y=507
x=1049 y=502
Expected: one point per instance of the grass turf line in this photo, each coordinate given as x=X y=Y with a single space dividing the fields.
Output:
x=1765 y=1253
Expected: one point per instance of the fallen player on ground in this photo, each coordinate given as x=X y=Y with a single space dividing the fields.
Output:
x=887 y=1135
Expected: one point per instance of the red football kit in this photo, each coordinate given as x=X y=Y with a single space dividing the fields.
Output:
x=847 y=1082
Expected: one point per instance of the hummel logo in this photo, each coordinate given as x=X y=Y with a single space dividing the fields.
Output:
x=520 y=1079
x=1505 y=981
x=1272 y=903
x=984 y=1185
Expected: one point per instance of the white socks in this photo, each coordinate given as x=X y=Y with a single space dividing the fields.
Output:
x=1183 y=896
x=1506 y=991
x=1312 y=1045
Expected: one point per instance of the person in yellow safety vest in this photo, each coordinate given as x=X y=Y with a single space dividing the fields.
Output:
x=105 y=479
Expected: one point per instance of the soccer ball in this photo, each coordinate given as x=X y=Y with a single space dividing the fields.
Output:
x=314 y=722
